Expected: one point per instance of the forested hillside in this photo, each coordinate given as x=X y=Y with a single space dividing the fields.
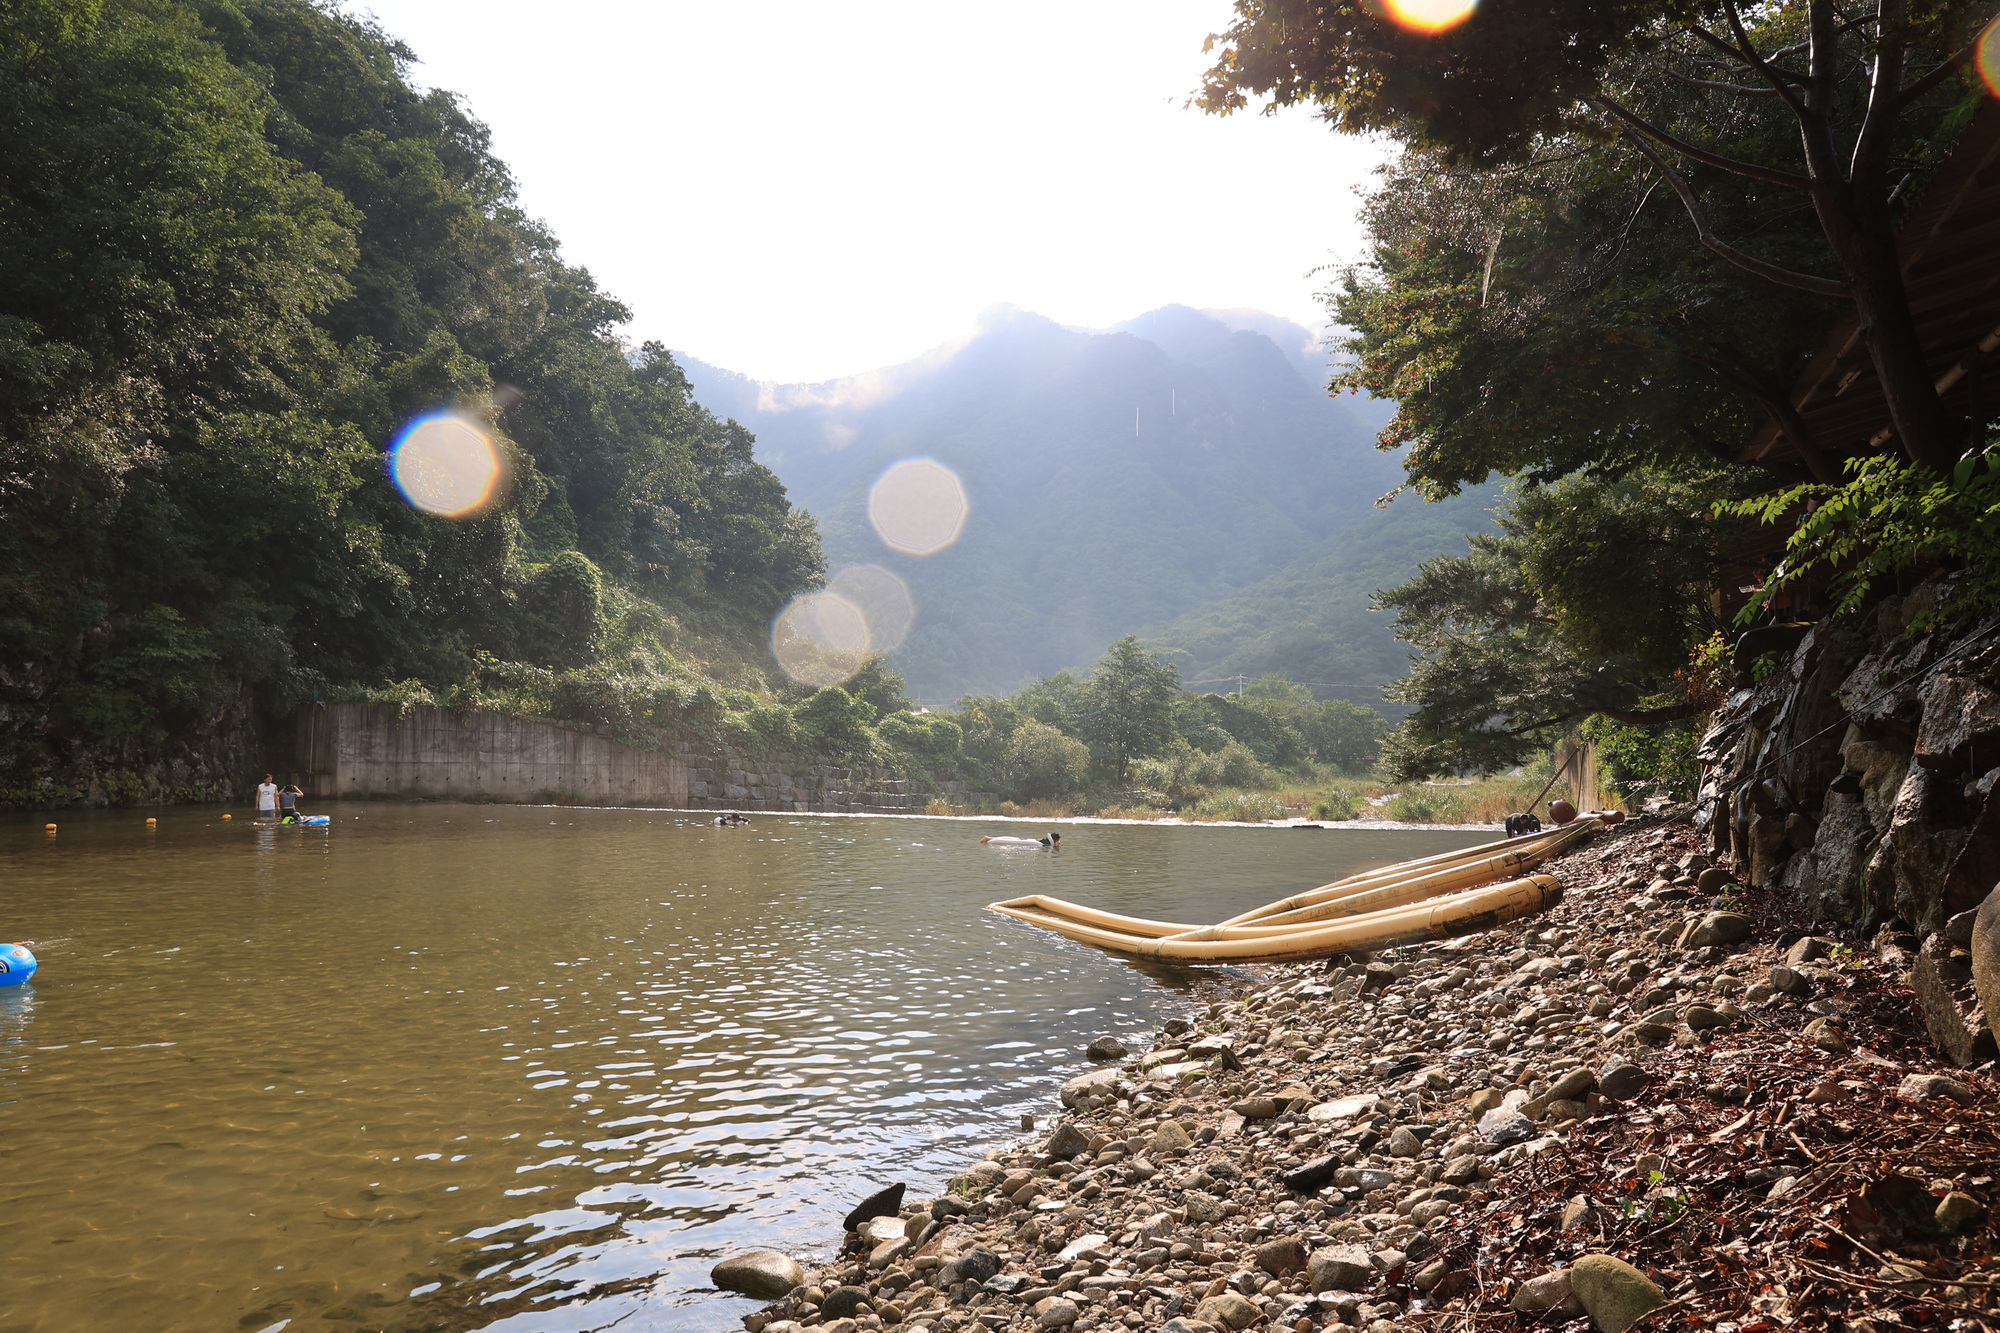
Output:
x=1314 y=620
x=241 y=249
x=1116 y=479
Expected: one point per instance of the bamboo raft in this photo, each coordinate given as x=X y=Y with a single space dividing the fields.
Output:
x=1434 y=897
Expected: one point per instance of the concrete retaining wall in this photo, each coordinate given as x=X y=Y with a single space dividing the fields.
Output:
x=368 y=750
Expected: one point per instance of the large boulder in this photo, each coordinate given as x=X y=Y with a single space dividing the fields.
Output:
x=1943 y=984
x=1614 y=1293
x=1339 y=1268
x=1930 y=826
x=765 y=1274
x=1282 y=1256
x=1228 y=1311
x=1985 y=951
x=1961 y=720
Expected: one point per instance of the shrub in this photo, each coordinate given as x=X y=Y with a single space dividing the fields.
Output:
x=1427 y=805
x=1248 y=807
x=926 y=736
x=1334 y=805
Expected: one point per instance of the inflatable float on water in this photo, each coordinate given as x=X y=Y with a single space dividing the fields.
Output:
x=16 y=964
x=309 y=820
x=1454 y=893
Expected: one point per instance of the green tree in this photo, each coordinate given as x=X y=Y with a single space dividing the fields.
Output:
x=834 y=722
x=1866 y=94
x=1042 y=762
x=1555 y=315
x=880 y=686
x=1128 y=704
x=1589 y=600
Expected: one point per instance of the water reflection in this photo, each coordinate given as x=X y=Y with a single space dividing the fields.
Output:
x=463 y=1067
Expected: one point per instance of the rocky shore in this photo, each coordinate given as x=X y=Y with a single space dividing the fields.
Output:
x=1662 y=1103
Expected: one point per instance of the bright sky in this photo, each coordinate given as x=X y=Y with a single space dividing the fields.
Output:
x=801 y=189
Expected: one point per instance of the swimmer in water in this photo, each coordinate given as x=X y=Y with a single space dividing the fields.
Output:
x=1049 y=841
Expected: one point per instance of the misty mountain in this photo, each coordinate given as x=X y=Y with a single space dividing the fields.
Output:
x=1117 y=479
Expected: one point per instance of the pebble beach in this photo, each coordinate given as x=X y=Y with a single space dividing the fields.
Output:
x=1662 y=1102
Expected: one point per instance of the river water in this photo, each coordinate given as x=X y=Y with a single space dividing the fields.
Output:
x=445 y=1067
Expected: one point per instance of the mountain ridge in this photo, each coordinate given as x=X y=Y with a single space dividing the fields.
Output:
x=1117 y=478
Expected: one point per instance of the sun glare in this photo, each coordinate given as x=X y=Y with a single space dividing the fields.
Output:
x=1429 y=15
x=820 y=639
x=445 y=465
x=918 y=507
x=1986 y=55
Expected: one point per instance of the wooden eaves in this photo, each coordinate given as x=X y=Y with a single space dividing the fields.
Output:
x=1951 y=270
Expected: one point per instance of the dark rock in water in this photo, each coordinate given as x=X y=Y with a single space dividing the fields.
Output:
x=842 y=1302
x=882 y=1203
x=1313 y=1177
x=763 y=1273
x=1106 y=1048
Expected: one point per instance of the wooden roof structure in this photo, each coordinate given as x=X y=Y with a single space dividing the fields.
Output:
x=1951 y=270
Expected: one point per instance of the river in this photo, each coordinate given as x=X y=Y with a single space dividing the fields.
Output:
x=443 y=1067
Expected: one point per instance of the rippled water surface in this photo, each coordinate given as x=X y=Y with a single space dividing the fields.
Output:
x=457 y=1067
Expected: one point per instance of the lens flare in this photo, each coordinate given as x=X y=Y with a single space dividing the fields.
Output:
x=883 y=600
x=918 y=507
x=1429 y=15
x=1986 y=57
x=821 y=639
x=445 y=465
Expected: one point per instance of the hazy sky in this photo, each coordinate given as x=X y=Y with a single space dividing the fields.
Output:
x=804 y=190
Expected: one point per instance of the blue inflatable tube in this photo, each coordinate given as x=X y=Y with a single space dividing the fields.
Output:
x=16 y=965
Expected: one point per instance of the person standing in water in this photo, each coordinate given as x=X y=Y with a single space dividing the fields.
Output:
x=267 y=798
x=288 y=802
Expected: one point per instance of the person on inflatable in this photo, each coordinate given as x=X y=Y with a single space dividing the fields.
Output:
x=1050 y=841
x=288 y=803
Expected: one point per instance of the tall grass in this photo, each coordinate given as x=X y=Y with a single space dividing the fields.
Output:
x=1249 y=807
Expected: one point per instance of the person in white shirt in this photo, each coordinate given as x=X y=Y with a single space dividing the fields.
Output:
x=267 y=797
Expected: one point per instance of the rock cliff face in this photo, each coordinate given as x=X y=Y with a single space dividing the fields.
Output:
x=1859 y=775
x=46 y=764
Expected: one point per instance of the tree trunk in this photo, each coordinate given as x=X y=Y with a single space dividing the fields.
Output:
x=1889 y=330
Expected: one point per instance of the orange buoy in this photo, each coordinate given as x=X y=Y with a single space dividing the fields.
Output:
x=227 y=816
x=50 y=827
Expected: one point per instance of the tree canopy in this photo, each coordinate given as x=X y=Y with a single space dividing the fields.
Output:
x=1868 y=100
x=241 y=250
